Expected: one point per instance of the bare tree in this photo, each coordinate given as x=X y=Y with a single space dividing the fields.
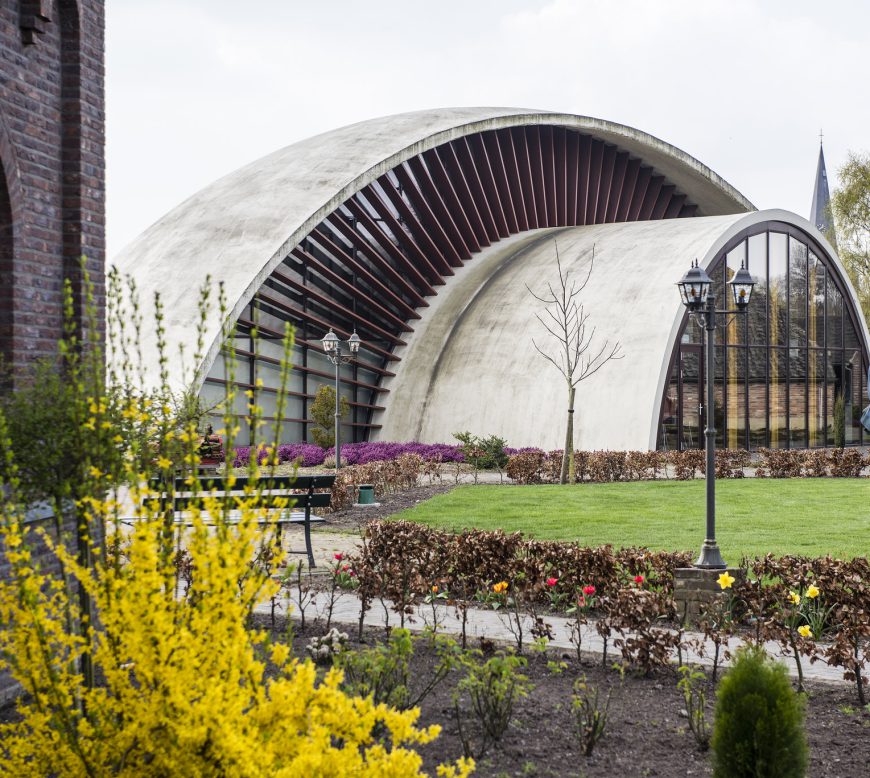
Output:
x=565 y=320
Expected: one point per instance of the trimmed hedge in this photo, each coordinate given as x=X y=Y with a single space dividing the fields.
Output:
x=539 y=467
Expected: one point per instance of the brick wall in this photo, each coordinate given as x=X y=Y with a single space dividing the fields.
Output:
x=52 y=177
x=53 y=167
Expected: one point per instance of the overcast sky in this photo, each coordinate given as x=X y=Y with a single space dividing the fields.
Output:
x=197 y=88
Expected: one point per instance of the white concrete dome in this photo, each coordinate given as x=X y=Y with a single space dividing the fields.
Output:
x=420 y=231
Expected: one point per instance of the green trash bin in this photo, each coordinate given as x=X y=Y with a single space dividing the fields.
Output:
x=366 y=494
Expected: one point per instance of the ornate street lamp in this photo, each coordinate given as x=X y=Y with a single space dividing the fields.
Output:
x=696 y=292
x=339 y=354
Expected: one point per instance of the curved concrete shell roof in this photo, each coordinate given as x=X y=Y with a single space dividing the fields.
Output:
x=241 y=227
x=471 y=365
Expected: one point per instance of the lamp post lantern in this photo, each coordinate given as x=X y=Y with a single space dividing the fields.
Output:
x=695 y=290
x=339 y=353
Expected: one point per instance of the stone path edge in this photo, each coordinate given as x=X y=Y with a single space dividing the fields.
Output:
x=492 y=625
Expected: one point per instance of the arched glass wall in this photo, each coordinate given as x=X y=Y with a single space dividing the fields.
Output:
x=780 y=368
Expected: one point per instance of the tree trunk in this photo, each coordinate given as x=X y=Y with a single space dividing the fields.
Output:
x=568 y=453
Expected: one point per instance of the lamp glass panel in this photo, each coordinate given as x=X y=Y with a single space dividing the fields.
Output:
x=733 y=261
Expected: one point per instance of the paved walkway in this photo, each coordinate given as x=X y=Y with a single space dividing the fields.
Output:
x=494 y=626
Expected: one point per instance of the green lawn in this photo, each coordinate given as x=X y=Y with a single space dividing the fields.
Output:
x=753 y=516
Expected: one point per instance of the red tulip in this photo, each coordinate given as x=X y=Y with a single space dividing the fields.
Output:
x=552 y=582
x=589 y=590
x=638 y=579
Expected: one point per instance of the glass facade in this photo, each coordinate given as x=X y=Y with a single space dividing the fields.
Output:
x=780 y=367
x=257 y=367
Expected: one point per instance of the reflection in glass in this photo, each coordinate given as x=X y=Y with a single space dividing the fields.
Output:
x=779 y=370
x=736 y=394
x=797 y=397
x=816 y=307
x=835 y=317
x=693 y=332
x=778 y=289
x=671 y=410
x=757 y=397
x=718 y=390
x=756 y=313
x=757 y=261
x=817 y=399
x=797 y=293
x=778 y=416
x=736 y=324
x=690 y=362
x=852 y=386
x=717 y=274
x=834 y=374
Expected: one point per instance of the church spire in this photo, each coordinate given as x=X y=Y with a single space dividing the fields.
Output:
x=820 y=211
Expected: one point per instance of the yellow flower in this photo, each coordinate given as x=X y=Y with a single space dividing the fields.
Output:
x=725 y=580
x=794 y=598
x=434 y=590
x=500 y=587
x=813 y=591
x=280 y=654
x=163 y=463
x=804 y=631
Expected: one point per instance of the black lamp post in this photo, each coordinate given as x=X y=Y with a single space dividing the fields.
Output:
x=695 y=289
x=339 y=353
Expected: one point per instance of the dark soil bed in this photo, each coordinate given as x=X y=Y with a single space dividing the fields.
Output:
x=353 y=518
x=647 y=732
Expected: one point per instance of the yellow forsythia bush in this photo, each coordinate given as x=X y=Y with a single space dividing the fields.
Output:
x=127 y=669
x=181 y=686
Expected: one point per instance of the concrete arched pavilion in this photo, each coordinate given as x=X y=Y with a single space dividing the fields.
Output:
x=421 y=230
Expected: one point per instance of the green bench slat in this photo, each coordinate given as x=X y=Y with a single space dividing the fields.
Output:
x=271 y=501
x=208 y=482
x=263 y=495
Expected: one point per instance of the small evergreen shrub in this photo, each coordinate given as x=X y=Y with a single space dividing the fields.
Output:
x=759 y=725
x=322 y=411
x=483 y=453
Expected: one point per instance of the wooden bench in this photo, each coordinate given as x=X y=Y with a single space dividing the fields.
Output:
x=273 y=492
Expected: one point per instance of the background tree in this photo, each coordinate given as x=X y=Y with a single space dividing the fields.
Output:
x=323 y=414
x=574 y=357
x=850 y=206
